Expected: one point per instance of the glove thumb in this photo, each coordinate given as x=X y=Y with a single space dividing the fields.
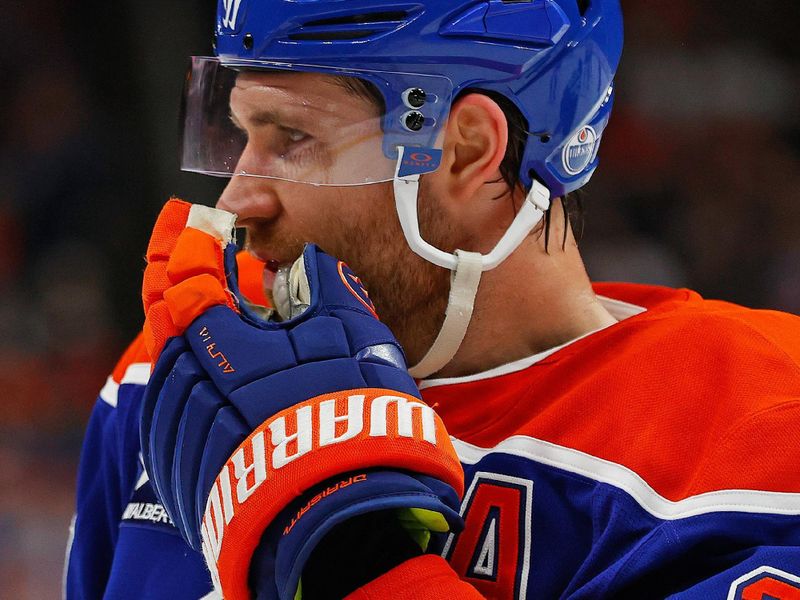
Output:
x=186 y=270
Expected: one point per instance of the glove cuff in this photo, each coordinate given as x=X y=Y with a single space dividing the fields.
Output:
x=290 y=540
x=302 y=446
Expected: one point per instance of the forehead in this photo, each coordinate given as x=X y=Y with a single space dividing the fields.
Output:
x=310 y=90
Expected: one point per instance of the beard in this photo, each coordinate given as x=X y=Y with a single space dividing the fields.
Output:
x=410 y=294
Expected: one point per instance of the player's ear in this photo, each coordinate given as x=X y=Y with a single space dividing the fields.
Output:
x=476 y=136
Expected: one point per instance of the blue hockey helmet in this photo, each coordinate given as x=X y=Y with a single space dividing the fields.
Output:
x=554 y=59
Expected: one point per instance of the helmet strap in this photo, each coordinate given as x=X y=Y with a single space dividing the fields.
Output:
x=463 y=289
x=466 y=266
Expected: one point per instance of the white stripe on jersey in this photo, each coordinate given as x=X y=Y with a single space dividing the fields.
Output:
x=109 y=392
x=70 y=540
x=138 y=373
x=598 y=469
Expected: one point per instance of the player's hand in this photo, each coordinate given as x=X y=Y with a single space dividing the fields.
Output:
x=284 y=430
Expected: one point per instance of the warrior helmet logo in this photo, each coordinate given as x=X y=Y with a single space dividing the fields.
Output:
x=229 y=13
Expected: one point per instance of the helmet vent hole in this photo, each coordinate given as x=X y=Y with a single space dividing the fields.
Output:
x=583 y=6
x=376 y=17
x=353 y=26
x=331 y=36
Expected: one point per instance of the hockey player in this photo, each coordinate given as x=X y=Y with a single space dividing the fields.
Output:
x=588 y=441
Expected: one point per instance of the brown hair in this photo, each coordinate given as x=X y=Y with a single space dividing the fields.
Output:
x=518 y=134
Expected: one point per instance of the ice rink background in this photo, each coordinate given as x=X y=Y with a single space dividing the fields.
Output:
x=699 y=186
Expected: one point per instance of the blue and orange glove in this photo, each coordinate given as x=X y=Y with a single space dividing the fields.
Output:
x=270 y=437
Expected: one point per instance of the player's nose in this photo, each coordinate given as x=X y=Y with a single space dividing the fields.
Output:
x=250 y=198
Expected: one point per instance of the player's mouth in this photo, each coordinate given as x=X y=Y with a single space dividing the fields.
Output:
x=273 y=267
x=275 y=279
x=271 y=259
x=273 y=264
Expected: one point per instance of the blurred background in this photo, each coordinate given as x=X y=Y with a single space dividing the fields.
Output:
x=699 y=186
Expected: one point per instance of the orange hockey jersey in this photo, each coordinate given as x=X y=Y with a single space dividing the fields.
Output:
x=656 y=458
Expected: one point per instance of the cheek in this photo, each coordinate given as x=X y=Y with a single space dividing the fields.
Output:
x=362 y=222
x=360 y=226
x=365 y=232
x=355 y=224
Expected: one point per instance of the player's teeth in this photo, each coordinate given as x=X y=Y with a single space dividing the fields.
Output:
x=280 y=293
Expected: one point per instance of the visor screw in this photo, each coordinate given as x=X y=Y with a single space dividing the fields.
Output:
x=248 y=41
x=413 y=120
x=544 y=138
x=414 y=97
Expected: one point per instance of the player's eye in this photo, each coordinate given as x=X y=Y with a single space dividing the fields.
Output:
x=295 y=135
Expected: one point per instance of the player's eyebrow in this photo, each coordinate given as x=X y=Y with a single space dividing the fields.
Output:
x=263 y=115
x=266 y=116
x=288 y=112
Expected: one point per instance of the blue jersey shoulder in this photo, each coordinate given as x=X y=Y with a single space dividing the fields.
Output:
x=124 y=545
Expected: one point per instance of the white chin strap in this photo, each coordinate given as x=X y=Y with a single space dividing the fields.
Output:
x=466 y=266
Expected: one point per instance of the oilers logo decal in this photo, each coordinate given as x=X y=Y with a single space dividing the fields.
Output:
x=765 y=583
x=580 y=150
x=353 y=283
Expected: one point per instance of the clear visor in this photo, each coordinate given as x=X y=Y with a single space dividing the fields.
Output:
x=309 y=124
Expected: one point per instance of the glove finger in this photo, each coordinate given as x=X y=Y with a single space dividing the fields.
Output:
x=190 y=298
x=164 y=427
x=250 y=278
x=233 y=352
x=196 y=252
x=154 y=282
x=320 y=338
x=333 y=283
x=364 y=332
x=205 y=252
x=207 y=247
x=158 y=326
x=198 y=415
x=263 y=398
x=227 y=431
x=187 y=242
x=174 y=349
x=315 y=282
x=158 y=329
x=386 y=377
x=171 y=221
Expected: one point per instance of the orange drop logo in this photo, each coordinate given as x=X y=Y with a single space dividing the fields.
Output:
x=353 y=283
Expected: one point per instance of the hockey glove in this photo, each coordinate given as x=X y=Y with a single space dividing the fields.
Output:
x=285 y=431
